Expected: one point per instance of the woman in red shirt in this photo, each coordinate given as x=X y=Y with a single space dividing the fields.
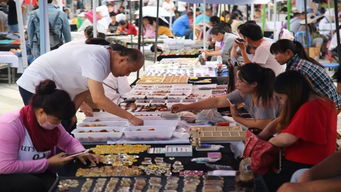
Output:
x=306 y=127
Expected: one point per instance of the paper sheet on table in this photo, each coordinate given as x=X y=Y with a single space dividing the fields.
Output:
x=222 y=173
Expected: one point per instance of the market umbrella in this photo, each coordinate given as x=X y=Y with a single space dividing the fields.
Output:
x=162 y=21
x=151 y=11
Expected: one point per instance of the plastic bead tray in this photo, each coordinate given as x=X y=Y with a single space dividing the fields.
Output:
x=218 y=133
x=163 y=80
x=148 y=182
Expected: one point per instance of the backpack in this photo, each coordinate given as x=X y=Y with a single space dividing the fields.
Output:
x=56 y=38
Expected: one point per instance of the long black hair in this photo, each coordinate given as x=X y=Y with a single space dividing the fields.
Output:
x=296 y=47
x=264 y=77
x=297 y=88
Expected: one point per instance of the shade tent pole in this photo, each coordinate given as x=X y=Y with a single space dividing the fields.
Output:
x=170 y=22
x=337 y=31
x=289 y=13
x=306 y=24
x=94 y=5
x=330 y=23
x=21 y=33
x=44 y=28
x=204 y=25
x=140 y=34
x=269 y=11
x=252 y=11
x=194 y=17
x=130 y=19
x=157 y=28
x=140 y=25
x=275 y=20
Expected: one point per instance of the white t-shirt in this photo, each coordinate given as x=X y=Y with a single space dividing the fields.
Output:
x=266 y=59
x=69 y=67
x=118 y=86
x=28 y=152
x=169 y=7
x=181 y=6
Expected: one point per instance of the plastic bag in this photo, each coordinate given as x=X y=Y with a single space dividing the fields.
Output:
x=209 y=116
x=188 y=117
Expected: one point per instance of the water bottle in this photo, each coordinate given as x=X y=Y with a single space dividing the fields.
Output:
x=220 y=64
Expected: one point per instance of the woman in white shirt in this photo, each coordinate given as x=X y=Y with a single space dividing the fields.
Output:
x=80 y=70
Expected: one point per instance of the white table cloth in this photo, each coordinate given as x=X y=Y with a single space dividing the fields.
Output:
x=12 y=59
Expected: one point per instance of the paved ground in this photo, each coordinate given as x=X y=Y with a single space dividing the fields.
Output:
x=9 y=98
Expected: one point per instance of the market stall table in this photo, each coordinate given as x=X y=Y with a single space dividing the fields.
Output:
x=69 y=170
x=13 y=61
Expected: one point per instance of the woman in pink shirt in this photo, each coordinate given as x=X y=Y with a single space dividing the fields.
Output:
x=148 y=30
x=29 y=138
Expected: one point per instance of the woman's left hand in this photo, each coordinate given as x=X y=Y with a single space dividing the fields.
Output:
x=94 y=159
x=234 y=111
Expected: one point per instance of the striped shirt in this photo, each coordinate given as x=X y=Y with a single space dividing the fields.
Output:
x=321 y=82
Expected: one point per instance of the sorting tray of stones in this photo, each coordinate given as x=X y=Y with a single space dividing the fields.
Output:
x=145 y=184
x=218 y=133
x=163 y=80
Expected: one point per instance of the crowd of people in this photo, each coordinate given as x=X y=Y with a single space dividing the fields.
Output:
x=289 y=95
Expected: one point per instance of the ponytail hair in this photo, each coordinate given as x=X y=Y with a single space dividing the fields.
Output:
x=296 y=47
x=53 y=101
x=264 y=77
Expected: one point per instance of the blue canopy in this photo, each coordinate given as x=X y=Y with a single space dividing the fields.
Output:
x=233 y=2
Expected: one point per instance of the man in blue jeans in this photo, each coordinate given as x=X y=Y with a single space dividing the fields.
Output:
x=182 y=26
x=59 y=29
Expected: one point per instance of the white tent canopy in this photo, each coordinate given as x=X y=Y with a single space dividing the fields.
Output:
x=233 y=2
x=152 y=10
